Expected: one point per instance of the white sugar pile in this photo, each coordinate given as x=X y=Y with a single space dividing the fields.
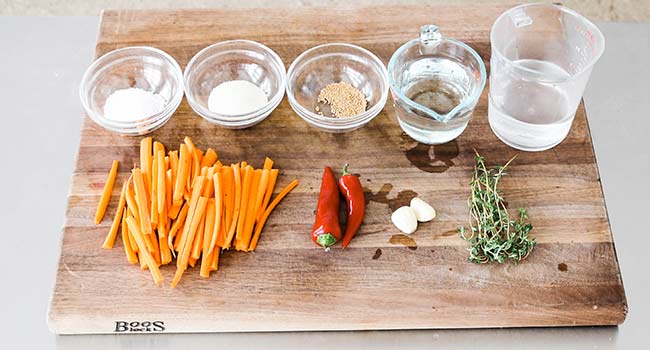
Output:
x=132 y=104
x=236 y=97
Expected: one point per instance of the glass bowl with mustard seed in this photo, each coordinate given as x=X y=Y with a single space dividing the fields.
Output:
x=337 y=87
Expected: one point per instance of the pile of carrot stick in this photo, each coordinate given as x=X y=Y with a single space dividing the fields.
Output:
x=185 y=204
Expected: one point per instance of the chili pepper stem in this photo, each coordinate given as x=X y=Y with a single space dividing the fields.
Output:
x=345 y=170
x=326 y=240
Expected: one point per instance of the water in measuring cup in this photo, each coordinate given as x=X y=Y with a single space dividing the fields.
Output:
x=439 y=95
x=532 y=116
x=440 y=85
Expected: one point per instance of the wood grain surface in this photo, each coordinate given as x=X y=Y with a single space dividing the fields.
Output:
x=382 y=281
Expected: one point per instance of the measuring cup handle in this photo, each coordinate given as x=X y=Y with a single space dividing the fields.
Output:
x=429 y=38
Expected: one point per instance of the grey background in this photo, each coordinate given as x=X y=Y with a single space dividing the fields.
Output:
x=602 y=10
x=41 y=63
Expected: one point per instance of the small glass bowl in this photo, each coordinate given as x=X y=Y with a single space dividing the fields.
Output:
x=141 y=67
x=333 y=63
x=234 y=60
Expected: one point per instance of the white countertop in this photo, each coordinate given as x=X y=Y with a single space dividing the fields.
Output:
x=41 y=63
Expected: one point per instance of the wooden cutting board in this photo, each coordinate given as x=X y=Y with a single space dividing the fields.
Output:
x=382 y=281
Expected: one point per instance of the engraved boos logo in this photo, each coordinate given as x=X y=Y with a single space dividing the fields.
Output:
x=135 y=326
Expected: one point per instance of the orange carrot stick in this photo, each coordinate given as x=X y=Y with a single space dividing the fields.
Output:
x=192 y=150
x=215 y=260
x=179 y=237
x=165 y=252
x=173 y=164
x=178 y=223
x=173 y=211
x=218 y=205
x=112 y=233
x=143 y=204
x=278 y=198
x=158 y=165
x=196 y=193
x=196 y=166
x=144 y=253
x=134 y=246
x=261 y=193
x=131 y=203
x=163 y=225
x=269 y=191
x=241 y=222
x=208 y=191
x=237 y=205
x=249 y=216
x=268 y=163
x=153 y=194
x=184 y=164
x=224 y=229
x=228 y=196
x=146 y=160
x=197 y=244
x=106 y=193
x=206 y=260
x=158 y=146
x=162 y=172
x=186 y=245
x=209 y=158
x=131 y=257
x=169 y=185
x=156 y=248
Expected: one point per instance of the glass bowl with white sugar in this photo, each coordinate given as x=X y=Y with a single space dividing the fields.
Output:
x=134 y=90
x=235 y=84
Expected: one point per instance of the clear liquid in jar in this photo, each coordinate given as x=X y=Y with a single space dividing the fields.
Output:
x=436 y=94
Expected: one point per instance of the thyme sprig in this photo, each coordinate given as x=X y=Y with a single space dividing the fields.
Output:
x=493 y=235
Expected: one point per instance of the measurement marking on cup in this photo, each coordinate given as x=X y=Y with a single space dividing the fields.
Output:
x=520 y=18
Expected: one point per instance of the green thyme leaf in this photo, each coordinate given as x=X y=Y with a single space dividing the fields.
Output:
x=493 y=235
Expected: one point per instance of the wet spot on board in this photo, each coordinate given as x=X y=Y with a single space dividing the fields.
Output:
x=562 y=267
x=450 y=233
x=403 y=240
x=377 y=254
x=432 y=159
x=381 y=196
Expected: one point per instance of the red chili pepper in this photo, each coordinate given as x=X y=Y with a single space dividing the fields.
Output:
x=351 y=188
x=326 y=230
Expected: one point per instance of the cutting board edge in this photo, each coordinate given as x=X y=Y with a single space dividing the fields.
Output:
x=59 y=327
x=609 y=222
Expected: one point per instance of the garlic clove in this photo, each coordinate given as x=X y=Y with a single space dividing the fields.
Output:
x=423 y=211
x=405 y=220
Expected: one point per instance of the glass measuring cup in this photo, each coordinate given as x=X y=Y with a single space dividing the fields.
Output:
x=435 y=82
x=542 y=56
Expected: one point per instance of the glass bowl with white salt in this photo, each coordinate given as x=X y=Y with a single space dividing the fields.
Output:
x=235 y=84
x=337 y=87
x=133 y=90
